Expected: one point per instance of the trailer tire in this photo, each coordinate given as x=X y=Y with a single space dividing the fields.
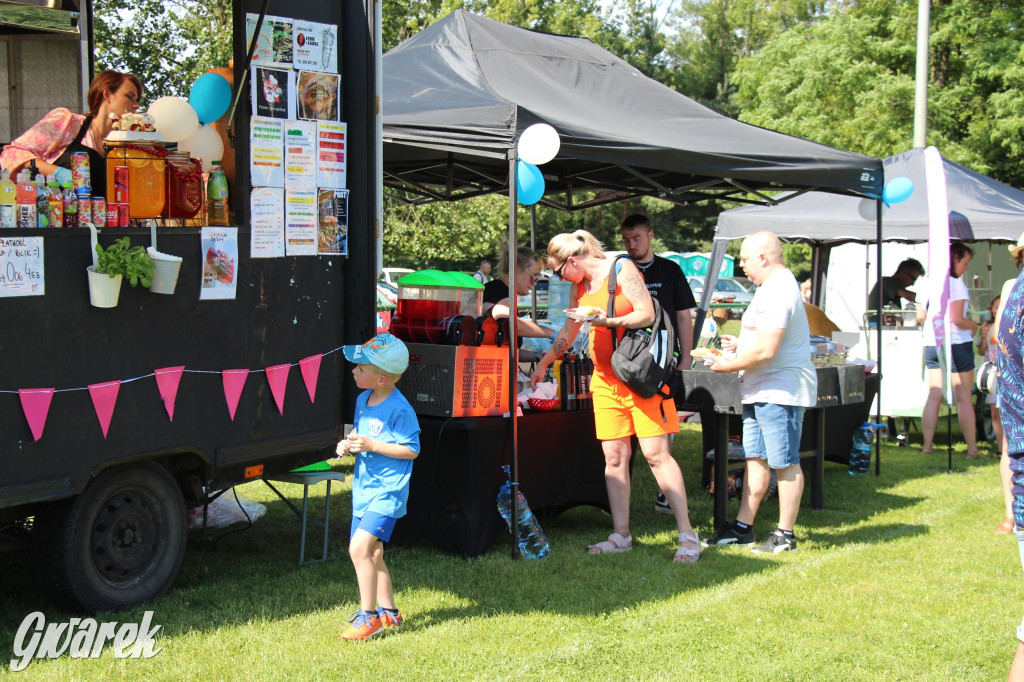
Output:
x=119 y=543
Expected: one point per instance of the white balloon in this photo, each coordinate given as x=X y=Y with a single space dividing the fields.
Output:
x=868 y=209
x=538 y=144
x=204 y=144
x=174 y=118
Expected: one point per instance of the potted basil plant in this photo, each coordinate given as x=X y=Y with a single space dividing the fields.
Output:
x=118 y=261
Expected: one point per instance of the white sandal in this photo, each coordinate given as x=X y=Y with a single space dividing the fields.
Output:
x=685 y=555
x=613 y=545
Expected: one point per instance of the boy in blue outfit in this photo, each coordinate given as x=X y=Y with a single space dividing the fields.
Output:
x=385 y=440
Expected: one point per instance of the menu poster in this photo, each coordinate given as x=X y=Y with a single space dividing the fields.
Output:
x=318 y=95
x=330 y=154
x=300 y=223
x=266 y=211
x=332 y=234
x=219 y=249
x=315 y=46
x=266 y=157
x=21 y=267
x=300 y=155
x=272 y=92
x=275 y=43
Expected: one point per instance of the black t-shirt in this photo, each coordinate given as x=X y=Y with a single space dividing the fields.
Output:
x=495 y=291
x=666 y=282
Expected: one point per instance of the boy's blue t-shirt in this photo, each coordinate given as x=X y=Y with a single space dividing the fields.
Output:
x=381 y=483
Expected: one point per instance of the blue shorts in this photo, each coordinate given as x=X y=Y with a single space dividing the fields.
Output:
x=375 y=524
x=772 y=432
x=963 y=357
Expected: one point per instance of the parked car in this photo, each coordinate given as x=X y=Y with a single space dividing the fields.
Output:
x=387 y=296
x=727 y=291
x=392 y=275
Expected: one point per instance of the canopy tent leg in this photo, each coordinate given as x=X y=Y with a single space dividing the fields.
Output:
x=513 y=366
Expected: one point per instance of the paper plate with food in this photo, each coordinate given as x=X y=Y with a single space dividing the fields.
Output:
x=584 y=313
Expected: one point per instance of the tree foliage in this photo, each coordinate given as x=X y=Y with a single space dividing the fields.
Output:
x=167 y=44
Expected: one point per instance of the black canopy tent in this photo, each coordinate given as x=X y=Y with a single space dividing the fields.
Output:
x=457 y=96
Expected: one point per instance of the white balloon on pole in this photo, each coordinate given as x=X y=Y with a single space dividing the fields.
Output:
x=204 y=144
x=538 y=144
x=174 y=118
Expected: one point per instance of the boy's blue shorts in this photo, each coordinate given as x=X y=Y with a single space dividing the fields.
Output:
x=375 y=524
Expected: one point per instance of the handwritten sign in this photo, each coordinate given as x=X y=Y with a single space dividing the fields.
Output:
x=21 y=267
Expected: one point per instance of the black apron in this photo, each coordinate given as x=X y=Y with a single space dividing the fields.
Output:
x=97 y=163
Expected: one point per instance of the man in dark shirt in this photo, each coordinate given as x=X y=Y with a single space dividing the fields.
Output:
x=894 y=288
x=665 y=282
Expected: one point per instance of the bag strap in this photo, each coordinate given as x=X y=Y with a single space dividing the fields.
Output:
x=612 y=284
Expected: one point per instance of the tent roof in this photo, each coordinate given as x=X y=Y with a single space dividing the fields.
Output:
x=458 y=94
x=980 y=209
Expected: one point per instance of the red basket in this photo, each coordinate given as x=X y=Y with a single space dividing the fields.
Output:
x=543 y=404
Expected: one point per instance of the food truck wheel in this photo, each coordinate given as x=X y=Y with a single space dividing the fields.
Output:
x=119 y=543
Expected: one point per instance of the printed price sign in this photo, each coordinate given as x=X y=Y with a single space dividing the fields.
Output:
x=21 y=267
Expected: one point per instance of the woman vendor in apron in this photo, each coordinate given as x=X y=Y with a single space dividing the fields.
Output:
x=52 y=141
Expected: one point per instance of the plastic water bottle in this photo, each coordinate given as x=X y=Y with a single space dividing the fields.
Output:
x=217 y=196
x=882 y=429
x=860 y=455
x=533 y=544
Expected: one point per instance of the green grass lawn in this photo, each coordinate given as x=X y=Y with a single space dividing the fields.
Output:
x=900 y=577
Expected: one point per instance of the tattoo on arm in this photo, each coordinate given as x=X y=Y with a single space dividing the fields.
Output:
x=559 y=346
x=633 y=287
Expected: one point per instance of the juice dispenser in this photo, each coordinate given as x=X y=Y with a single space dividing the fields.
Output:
x=147 y=169
x=426 y=299
x=471 y=293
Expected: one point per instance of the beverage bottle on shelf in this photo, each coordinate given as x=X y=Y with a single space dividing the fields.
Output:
x=70 y=204
x=26 y=200
x=55 y=201
x=570 y=361
x=217 y=196
x=563 y=382
x=556 y=377
x=8 y=200
x=587 y=373
x=860 y=454
x=533 y=544
x=42 y=202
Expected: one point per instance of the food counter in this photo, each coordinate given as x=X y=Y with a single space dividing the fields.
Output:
x=456 y=477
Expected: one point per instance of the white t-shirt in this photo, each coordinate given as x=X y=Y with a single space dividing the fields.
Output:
x=957 y=292
x=789 y=378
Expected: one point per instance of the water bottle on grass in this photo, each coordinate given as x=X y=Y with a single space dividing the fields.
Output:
x=533 y=544
x=860 y=454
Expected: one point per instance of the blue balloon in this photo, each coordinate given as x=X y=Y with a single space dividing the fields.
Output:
x=529 y=183
x=210 y=96
x=897 y=190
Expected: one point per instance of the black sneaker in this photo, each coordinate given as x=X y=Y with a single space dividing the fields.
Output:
x=775 y=543
x=661 y=505
x=730 y=536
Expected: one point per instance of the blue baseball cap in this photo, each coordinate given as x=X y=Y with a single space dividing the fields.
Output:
x=384 y=351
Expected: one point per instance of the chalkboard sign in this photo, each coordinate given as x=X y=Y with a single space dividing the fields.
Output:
x=21 y=267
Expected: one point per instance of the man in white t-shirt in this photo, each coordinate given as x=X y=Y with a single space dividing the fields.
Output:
x=483 y=274
x=777 y=382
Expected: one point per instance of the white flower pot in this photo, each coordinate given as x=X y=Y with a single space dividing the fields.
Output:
x=165 y=276
x=103 y=289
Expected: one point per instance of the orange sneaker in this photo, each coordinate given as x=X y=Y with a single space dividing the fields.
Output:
x=364 y=625
x=389 y=619
x=1006 y=527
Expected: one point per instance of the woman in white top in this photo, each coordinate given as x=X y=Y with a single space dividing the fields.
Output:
x=961 y=340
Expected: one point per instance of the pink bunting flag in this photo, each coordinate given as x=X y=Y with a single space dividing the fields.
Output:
x=103 y=398
x=310 y=371
x=277 y=376
x=35 y=402
x=234 y=380
x=167 y=380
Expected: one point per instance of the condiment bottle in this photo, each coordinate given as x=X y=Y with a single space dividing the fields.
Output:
x=217 y=196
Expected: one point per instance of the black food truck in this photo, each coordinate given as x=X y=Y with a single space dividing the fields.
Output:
x=96 y=477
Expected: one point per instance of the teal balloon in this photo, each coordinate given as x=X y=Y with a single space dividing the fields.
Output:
x=529 y=183
x=210 y=96
x=897 y=190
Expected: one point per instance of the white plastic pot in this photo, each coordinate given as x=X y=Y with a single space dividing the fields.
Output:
x=103 y=289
